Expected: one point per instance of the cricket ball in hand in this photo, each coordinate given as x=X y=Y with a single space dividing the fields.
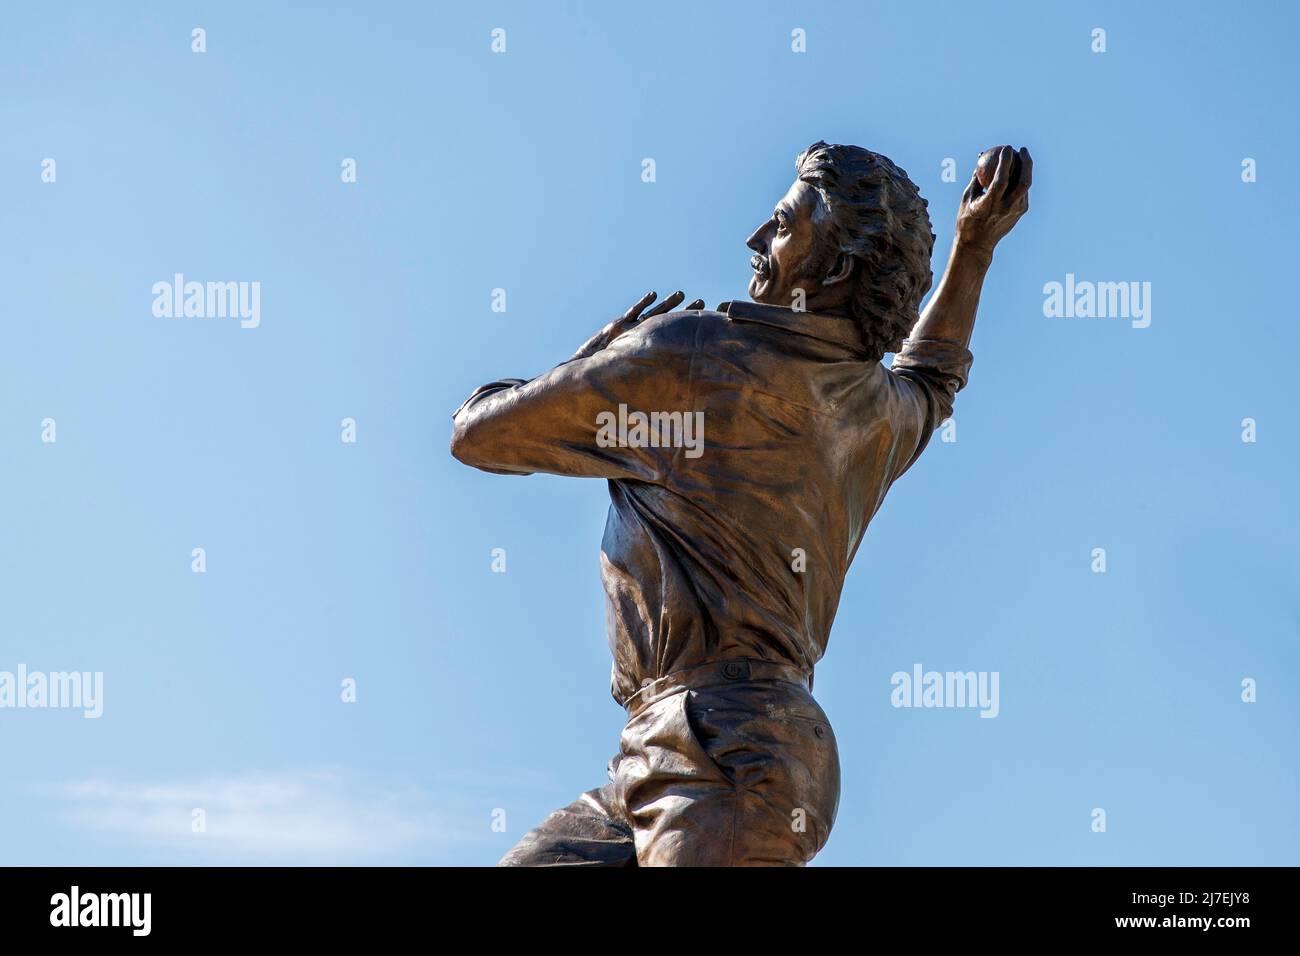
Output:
x=986 y=166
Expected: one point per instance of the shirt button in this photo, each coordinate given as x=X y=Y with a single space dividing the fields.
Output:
x=820 y=731
x=647 y=682
x=731 y=670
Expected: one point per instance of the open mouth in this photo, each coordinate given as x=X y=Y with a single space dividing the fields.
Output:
x=760 y=265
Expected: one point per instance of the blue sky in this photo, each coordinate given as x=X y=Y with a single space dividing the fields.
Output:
x=371 y=560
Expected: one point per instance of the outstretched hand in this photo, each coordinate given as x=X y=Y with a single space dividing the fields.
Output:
x=986 y=215
x=629 y=320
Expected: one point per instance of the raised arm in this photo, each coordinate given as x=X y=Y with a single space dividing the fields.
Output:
x=936 y=359
x=983 y=218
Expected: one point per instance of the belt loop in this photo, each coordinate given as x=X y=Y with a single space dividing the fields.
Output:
x=736 y=670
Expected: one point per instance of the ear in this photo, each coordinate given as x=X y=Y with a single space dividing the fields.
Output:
x=840 y=270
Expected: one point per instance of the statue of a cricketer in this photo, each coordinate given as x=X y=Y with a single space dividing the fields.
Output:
x=746 y=450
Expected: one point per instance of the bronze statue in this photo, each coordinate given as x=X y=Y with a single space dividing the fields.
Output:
x=746 y=450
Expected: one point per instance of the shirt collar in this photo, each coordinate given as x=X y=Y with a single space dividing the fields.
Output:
x=836 y=329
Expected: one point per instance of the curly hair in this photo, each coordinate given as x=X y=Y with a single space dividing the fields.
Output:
x=877 y=216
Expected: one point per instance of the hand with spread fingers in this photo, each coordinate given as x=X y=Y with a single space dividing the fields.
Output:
x=987 y=214
x=629 y=319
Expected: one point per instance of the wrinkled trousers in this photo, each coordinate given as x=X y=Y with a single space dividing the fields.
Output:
x=728 y=764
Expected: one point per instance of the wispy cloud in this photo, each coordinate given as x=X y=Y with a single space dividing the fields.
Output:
x=327 y=813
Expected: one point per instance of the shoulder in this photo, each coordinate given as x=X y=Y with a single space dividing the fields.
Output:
x=675 y=332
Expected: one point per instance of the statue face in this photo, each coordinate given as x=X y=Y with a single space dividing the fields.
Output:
x=788 y=249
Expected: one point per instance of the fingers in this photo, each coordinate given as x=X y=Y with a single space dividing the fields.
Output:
x=972 y=191
x=641 y=303
x=667 y=305
x=1002 y=175
x=1026 y=169
x=1018 y=195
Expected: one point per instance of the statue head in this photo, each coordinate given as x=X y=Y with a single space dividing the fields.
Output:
x=851 y=237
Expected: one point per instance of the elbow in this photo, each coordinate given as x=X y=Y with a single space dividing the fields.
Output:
x=465 y=444
x=471 y=446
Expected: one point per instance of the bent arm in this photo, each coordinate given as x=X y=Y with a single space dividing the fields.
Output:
x=564 y=422
x=984 y=217
x=949 y=316
x=936 y=359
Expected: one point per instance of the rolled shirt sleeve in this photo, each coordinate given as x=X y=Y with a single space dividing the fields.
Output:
x=936 y=370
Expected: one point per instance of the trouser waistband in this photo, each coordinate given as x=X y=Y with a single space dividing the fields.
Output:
x=713 y=673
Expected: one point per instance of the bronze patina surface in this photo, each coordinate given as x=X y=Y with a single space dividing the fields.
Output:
x=747 y=449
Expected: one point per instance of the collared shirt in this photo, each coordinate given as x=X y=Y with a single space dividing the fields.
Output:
x=731 y=543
